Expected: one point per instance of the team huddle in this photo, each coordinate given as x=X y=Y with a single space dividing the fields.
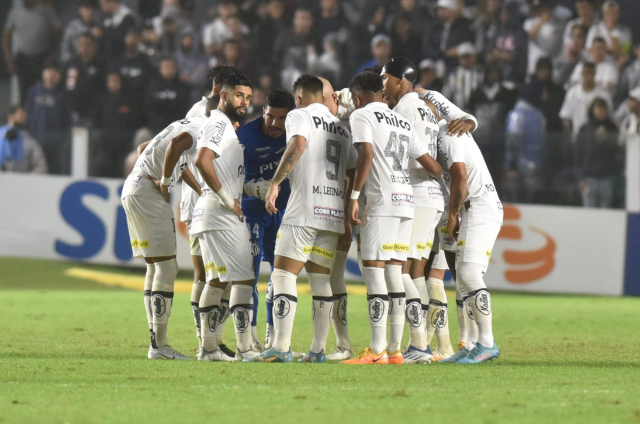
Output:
x=396 y=168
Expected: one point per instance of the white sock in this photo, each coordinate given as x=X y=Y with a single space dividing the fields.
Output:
x=162 y=298
x=421 y=286
x=395 y=286
x=470 y=322
x=241 y=310
x=378 y=301
x=462 y=327
x=441 y=323
x=480 y=301
x=223 y=316
x=285 y=303
x=413 y=314
x=339 y=290
x=196 y=292
x=148 y=285
x=322 y=308
x=209 y=316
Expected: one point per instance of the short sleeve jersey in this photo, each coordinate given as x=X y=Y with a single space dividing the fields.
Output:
x=189 y=197
x=426 y=189
x=394 y=141
x=317 y=181
x=481 y=192
x=218 y=135
x=151 y=161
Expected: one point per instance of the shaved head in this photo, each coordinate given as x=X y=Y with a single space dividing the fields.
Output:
x=329 y=95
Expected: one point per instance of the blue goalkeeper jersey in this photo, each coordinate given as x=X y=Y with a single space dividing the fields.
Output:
x=262 y=155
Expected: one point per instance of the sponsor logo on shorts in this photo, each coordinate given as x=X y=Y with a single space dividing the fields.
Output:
x=413 y=313
x=500 y=205
x=192 y=240
x=222 y=269
x=483 y=301
x=209 y=266
x=401 y=247
x=342 y=310
x=158 y=305
x=488 y=253
x=439 y=318
x=140 y=243
x=278 y=236
x=322 y=211
x=429 y=245
x=281 y=307
x=435 y=191
x=376 y=309
x=443 y=230
x=402 y=198
x=241 y=319
x=197 y=213
x=421 y=246
x=322 y=252
x=307 y=250
x=386 y=247
x=460 y=243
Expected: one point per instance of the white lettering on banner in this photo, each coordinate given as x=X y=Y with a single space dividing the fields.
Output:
x=540 y=248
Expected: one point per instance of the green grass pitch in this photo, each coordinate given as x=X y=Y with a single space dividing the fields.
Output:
x=74 y=351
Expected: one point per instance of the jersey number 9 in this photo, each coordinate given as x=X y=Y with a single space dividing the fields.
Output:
x=333 y=159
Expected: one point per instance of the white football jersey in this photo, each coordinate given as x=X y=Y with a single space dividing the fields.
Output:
x=317 y=181
x=446 y=109
x=218 y=135
x=151 y=161
x=198 y=109
x=481 y=192
x=189 y=197
x=426 y=189
x=388 y=188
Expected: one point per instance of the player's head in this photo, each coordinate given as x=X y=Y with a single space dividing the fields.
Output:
x=217 y=74
x=398 y=76
x=307 y=90
x=366 y=87
x=235 y=96
x=17 y=116
x=329 y=95
x=277 y=105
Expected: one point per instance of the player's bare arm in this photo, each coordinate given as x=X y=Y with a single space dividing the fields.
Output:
x=204 y=163
x=177 y=146
x=363 y=166
x=348 y=229
x=459 y=127
x=142 y=146
x=289 y=160
x=190 y=179
x=458 y=194
x=430 y=165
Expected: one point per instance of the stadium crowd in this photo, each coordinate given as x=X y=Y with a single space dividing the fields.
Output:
x=556 y=90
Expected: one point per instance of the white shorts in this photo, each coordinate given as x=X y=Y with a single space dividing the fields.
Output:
x=444 y=241
x=440 y=261
x=476 y=239
x=152 y=228
x=194 y=242
x=383 y=238
x=423 y=229
x=306 y=244
x=227 y=255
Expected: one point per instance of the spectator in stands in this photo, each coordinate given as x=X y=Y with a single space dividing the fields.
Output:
x=230 y=55
x=31 y=36
x=50 y=119
x=217 y=31
x=441 y=43
x=328 y=64
x=545 y=30
x=118 y=121
x=331 y=19
x=167 y=97
x=136 y=71
x=261 y=48
x=192 y=66
x=418 y=17
x=617 y=36
x=525 y=147
x=85 y=76
x=19 y=151
x=405 y=39
x=361 y=34
x=552 y=95
x=571 y=55
x=149 y=43
x=587 y=17
x=486 y=23
x=630 y=77
x=292 y=46
x=598 y=156
x=86 y=22
x=490 y=103
x=606 y=71
x=574 y=109
x=463 y=80
x=119 y=19
x=429 y=79
x=380 y=50
x=509 y=47
x=630 y=122
x=168 y=41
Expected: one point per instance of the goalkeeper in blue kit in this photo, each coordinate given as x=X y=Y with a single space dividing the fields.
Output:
x=264 y=141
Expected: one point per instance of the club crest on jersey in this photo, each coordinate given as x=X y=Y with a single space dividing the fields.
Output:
x=376 y=309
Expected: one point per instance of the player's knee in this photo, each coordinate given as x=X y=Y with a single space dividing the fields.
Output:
x=165 y=276
x=470 y=276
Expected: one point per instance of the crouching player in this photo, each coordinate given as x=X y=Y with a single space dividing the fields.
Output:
x=473 y=200
x=264 y=144
x=145 y=198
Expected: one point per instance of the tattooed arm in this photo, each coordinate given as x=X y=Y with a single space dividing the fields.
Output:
x=289 y=160
x=458 y=194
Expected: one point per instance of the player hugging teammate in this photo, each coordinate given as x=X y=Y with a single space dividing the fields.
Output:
x=292 y=188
